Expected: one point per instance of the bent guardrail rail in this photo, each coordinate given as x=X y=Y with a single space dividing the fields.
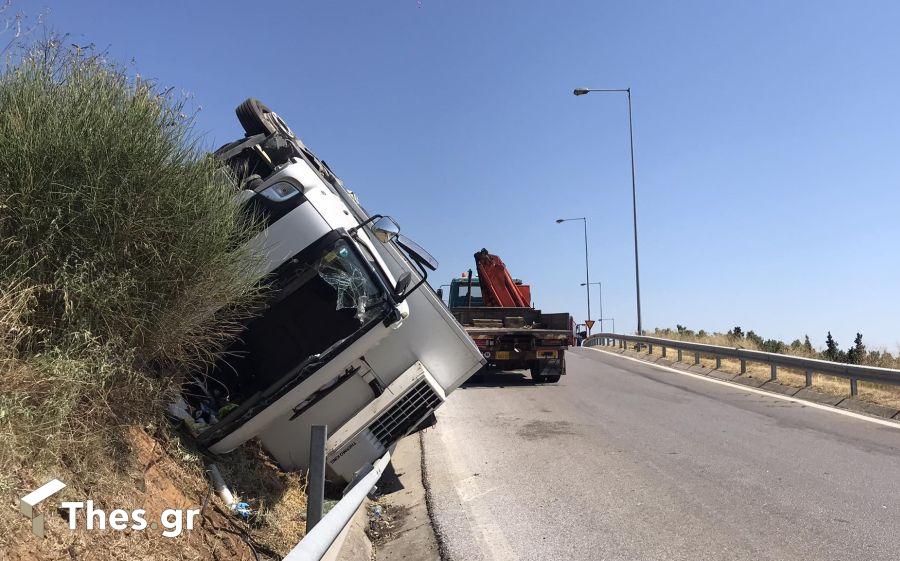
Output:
x=318 y=542
x=853 y=372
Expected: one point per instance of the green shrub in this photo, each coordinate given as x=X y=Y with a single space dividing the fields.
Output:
x=109 y=207
x=120 y=260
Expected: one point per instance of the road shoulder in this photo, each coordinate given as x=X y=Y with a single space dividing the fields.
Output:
x=400 y=525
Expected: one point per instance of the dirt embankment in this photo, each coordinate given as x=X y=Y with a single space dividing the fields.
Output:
x=159 y=481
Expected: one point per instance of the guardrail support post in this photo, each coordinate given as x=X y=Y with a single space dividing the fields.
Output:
x=743 y=366
x=808 y=377
x=773 y=372
x=854 y=391
x=663 y=351
x=650 y=348
x=718 y=362
x=696 y=358
x=679 y=355
x=315 y=483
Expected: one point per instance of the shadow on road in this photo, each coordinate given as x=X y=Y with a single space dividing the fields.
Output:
x=499 y=379
x=390 y=480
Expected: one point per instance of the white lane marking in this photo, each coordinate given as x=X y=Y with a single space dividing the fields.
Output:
x=883 y=422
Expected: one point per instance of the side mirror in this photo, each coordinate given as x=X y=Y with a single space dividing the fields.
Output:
x=385 y=229
x=402 y=284
x=440 y=293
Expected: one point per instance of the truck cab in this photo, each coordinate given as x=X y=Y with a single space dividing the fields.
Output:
x=465 y=292
x=332 y=343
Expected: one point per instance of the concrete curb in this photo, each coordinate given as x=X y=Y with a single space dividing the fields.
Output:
x=780 y=388
x=819 y=397
x=720 y=375
x=414 y=537
x=748 y=381
x=853 y=404
x=357 y=546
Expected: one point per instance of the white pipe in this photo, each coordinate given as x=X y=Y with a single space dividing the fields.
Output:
x=220 y=486
x=317 y=542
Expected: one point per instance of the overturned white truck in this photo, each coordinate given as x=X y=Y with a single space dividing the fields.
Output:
x=351 y=336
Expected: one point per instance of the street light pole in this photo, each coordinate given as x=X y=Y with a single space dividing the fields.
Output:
x=600 y=289
x=637 y=273
x=587 y=269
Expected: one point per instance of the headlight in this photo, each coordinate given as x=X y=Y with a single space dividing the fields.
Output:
x=280 y=192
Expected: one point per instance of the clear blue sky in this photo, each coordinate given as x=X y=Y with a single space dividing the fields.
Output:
x=767 y=137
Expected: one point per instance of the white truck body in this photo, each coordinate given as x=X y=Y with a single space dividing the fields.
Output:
x=370 y=388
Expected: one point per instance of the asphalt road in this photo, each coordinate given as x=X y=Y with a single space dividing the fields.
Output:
x=622 y=460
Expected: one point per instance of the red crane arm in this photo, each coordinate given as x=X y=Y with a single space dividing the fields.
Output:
x=497 y=287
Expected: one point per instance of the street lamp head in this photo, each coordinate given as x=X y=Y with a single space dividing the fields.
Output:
x=560 y=220
x=582 y=284
x=581 y=91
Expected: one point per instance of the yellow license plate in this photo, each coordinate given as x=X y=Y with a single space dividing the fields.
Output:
x=547 y=354
x=500 y=355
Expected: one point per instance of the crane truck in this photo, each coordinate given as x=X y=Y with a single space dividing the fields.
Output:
x=496 y=312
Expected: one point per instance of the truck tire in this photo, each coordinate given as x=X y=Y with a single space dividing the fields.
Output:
x=257 y=118
x=552 y=379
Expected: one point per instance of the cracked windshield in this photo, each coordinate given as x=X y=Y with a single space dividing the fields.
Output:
x=319 y=302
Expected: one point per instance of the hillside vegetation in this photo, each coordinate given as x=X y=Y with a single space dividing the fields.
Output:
x=121 y=273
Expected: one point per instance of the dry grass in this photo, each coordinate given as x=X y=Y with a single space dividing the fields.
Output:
x=875 y=393
x=121 y=272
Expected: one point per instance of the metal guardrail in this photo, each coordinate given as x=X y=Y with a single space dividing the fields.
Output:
x=853 y=372
x=319 y=540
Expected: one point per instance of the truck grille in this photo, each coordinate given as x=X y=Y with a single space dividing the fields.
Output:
x=403 y=415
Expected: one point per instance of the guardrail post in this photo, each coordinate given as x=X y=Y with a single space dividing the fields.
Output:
x=718 y=362
x=650 y=348
x=663 y=349
x=773 y=372
x=696 y=358
x=743 y=366
x=808 y=377
x=854 y=391
x=679 y=355
x=315 y=481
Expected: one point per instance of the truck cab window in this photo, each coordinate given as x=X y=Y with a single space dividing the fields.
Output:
x=318 y=300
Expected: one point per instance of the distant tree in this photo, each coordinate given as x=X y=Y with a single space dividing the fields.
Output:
x=702 y=333
x=680 y=328
x=755 y=339
x=736 y=332
x=857 y=353
x=832 y=352
x=807 y=346
x=773 y=346
x=796 y=344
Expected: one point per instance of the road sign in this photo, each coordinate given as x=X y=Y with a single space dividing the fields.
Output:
x=589 y=323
